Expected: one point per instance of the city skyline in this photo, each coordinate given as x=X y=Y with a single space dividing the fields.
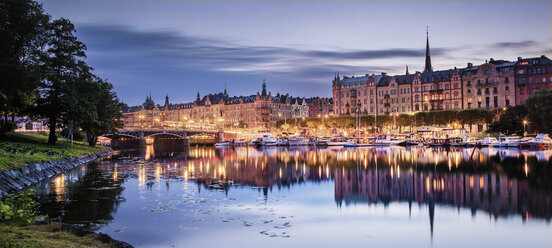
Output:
x=180 y=48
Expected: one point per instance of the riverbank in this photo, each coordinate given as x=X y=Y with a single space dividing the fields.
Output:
x=21 y=149
x=26 y=159
x=53 y=235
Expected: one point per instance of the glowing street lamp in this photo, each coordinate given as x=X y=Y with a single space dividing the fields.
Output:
x=525 y=122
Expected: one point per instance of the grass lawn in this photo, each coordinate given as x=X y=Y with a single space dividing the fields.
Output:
x=43 y=236
x=20 y=149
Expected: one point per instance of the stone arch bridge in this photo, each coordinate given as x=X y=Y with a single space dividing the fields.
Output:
x=140 y=136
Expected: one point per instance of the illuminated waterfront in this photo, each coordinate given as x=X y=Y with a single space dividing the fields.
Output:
x=311 y=197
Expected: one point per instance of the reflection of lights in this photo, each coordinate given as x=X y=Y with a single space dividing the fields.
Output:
x=481 y=182
x=427 y=184
x=526 y=169
x=115 y=173
x=157 y=172
x=471 y=182
x=141 y=175
x=59 y=187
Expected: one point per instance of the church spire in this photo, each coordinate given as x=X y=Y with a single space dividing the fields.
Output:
x=407 y=70
x=198 y=99
x=428 y=67
x=263 y=93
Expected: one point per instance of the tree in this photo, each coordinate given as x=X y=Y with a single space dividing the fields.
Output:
x=511 y=121
x=62 y=67
x=103 y=109
x=23 y=26
x=539 y=112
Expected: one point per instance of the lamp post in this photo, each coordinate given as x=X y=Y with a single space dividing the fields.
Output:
x=524 y=124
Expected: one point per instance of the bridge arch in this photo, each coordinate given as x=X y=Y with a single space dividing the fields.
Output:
x=167 y=133
x=110 y=135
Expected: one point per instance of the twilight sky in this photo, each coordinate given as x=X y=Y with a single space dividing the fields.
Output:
x=180 y=47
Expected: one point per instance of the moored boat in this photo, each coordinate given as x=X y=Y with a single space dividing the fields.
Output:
x=541 y=141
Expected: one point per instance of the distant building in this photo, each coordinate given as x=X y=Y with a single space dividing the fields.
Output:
x=532 y=75
x=319 y=107
x=494 y=84
x=260 y=111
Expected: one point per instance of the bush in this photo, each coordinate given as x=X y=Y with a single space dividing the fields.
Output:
x=19 y=208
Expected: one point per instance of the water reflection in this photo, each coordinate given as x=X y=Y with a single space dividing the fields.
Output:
x=498 y=182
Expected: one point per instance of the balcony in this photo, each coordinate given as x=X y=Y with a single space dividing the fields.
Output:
x=436 y=100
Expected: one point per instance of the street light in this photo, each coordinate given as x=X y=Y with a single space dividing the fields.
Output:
x=525 y=122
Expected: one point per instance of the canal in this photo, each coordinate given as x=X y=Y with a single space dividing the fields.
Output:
x=308 y=197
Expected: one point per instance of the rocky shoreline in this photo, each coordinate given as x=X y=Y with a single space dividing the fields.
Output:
x=17 y=179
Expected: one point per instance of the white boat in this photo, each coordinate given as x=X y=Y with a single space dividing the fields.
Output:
x=338 y=141
x=488 y=141
x=298 y=141
x=542 y=140
x=467 y=141
x=222 y=144
x=385 y=140
x=506 y=141
x=282 y=142
x=268 y=140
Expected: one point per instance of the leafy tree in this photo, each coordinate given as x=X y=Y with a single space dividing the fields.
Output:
x=103 y=109
x=539 y=112
x=23 y=26
x=62 y=67
x=511 y=121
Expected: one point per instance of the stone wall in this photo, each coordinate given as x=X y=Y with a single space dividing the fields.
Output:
x=17 y=179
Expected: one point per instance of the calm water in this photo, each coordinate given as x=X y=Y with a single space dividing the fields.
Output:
x=306 y=197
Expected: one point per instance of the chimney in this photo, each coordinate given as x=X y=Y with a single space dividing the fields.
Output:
x=470 y=65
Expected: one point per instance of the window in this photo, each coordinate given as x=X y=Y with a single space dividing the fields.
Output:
x=479 y=91
x=521 y=71
x=495 y=90
x=469 y=91
x=544 y=80
x=537 y=80
x=521 y=91
x=530 y=90
x=521 y=101
x=506 y=80
x=521 y=81
x=507 y=100
x=507 y=88
x=364 y=92
x=364 y=101
x=486 y=71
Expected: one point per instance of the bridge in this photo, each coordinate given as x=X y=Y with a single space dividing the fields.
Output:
x=142 y=136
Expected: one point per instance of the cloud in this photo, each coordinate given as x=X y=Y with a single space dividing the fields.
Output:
x=520 y=44
x=136 y=60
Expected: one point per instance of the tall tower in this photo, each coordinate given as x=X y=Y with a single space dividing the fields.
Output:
x=428 y=66
x=263 y=93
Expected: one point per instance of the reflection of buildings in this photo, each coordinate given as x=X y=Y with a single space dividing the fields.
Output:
x=492 y=192
x=375 y=175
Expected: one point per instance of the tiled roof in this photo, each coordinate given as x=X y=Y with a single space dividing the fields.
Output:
x=436 y=76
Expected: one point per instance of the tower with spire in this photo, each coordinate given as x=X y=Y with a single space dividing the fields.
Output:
x=428 y=67
x=197 y=98
x=263 y=93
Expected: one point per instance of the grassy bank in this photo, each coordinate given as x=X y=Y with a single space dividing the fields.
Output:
x=20 y=149
x=43 y=236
